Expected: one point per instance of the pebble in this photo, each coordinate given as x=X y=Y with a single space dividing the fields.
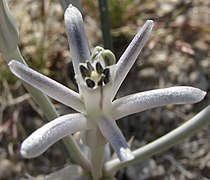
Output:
x=6 y=169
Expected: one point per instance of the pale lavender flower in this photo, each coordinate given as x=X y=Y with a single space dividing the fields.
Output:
x=98 y=77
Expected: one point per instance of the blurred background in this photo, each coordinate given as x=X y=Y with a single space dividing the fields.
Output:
x=177 y=53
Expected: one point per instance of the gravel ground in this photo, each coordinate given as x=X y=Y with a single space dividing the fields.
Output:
x=178 y=53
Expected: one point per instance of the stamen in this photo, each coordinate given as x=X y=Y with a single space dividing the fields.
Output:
x=84 y=71
x=95 y=76
x=89 y=66
x=90 y=83
x=100 y=83
x=106 y=72
x=99 y=68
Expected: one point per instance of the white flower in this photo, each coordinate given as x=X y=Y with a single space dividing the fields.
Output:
x=99 y=78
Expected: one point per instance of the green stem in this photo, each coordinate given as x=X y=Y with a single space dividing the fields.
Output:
x=199 y=121
x=50 y=112
x=105 y=24
x=97 y=156
x=96 y=143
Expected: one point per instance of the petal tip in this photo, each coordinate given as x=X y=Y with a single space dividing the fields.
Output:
x=15 y=67
x=24 y=152
x=11 y=63
x=201 y=95
x=69 y=7
x=71 y=12
x=196 y=93
x=149 y=24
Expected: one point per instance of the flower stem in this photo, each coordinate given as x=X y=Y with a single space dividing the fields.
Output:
x=105 y=24
x=97 y=155
x=202 y=119
x=50 y=112
x=96 y=143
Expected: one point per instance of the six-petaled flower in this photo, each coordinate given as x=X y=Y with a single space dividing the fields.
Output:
x=99 y=77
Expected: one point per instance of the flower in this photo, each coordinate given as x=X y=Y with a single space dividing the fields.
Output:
x=98 y=77
x=8 y=30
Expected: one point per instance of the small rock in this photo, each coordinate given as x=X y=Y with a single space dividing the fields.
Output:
x=199 y=80
x=6 y=169
x=160 y=59
x=148 y=73
x=165 y=8
x=201 y=45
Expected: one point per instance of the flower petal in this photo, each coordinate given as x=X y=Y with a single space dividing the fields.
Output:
x=47 y=86
x=155 y=98
x=130 y=55
x=44 y=137
x=76 y=37
x=114 y=136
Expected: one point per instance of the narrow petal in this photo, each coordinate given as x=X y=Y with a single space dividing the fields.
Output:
x=114 y=136
x=44 y=137
x=130 y=55
x=155 y=98
x=48 y=86
x=76 y=37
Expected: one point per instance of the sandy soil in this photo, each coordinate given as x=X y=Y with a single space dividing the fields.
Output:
x=178 y=53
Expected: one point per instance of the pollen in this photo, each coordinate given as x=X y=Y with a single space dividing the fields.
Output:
x=94 y=75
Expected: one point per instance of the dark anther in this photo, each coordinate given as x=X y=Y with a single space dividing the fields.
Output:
x=99 y=68
x=89 y=66
x=84 y=71
x=100 y=83
x=106 y=73
x=90 y=83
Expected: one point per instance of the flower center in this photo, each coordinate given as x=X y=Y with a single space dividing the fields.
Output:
x=94 y=76
x=97 y=73
x=95 y=82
